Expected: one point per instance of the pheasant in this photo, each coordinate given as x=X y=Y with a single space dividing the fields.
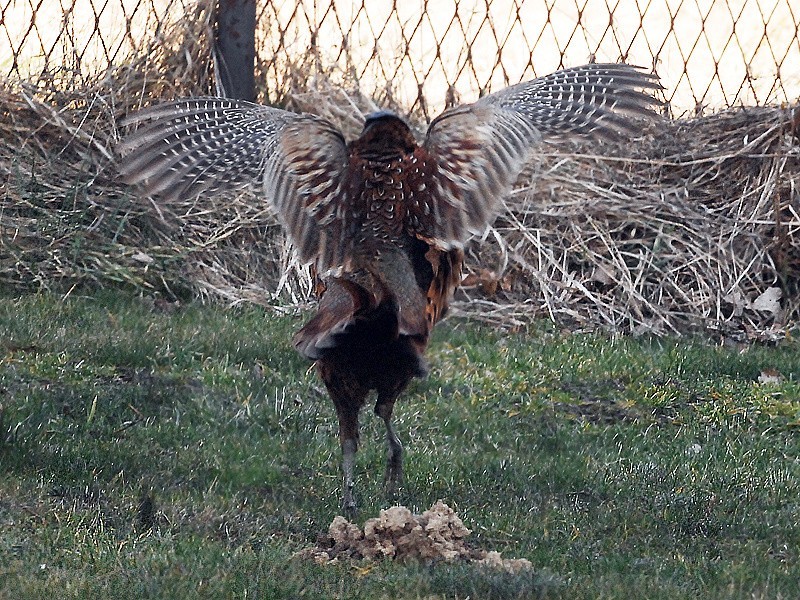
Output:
x=383 y=219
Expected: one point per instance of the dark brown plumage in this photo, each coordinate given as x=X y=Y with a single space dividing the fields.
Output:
x=383 y=218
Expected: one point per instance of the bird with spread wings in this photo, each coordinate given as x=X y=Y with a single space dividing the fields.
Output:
x=383 y=218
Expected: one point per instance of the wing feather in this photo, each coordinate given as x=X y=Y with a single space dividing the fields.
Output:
x=210 y=145
x=475 y=152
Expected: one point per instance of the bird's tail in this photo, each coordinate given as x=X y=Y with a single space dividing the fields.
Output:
x=344 y=308
x=361 y=316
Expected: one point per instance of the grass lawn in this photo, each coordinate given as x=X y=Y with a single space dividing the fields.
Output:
x=188 y=453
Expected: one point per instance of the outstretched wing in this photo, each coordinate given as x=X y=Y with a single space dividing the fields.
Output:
x=209 y=145
x=474 y=153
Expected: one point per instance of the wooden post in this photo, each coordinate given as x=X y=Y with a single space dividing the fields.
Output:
x=235 y=48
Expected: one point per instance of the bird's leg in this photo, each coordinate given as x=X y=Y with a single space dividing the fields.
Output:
x=347 y=407
x=349 y=448
x=393 y=477
x=348 y=397
x=348 y=439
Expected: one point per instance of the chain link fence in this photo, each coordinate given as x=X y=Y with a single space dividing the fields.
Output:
x=694 y=225
x=709 y=53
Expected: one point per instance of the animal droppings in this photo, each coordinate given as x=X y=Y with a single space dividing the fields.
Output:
x=398 y=534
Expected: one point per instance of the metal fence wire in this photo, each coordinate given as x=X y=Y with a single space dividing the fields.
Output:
x=709 y=53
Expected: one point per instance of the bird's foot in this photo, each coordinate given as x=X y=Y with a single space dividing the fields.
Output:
x=393 y=480
x=349 y=506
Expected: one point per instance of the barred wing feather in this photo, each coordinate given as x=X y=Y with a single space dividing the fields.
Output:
x=480 y=149
x=209 y=145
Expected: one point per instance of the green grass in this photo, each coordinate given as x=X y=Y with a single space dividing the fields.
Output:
x=190 y=453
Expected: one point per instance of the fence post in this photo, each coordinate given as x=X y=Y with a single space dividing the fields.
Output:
x=235 y=48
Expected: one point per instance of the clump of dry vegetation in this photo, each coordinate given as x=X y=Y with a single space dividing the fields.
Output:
x=694 y=225
x=398 y=534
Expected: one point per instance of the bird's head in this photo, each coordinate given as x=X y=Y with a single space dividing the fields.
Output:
x=385 y=133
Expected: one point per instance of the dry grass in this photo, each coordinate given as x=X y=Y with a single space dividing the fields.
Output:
x=696 y=225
